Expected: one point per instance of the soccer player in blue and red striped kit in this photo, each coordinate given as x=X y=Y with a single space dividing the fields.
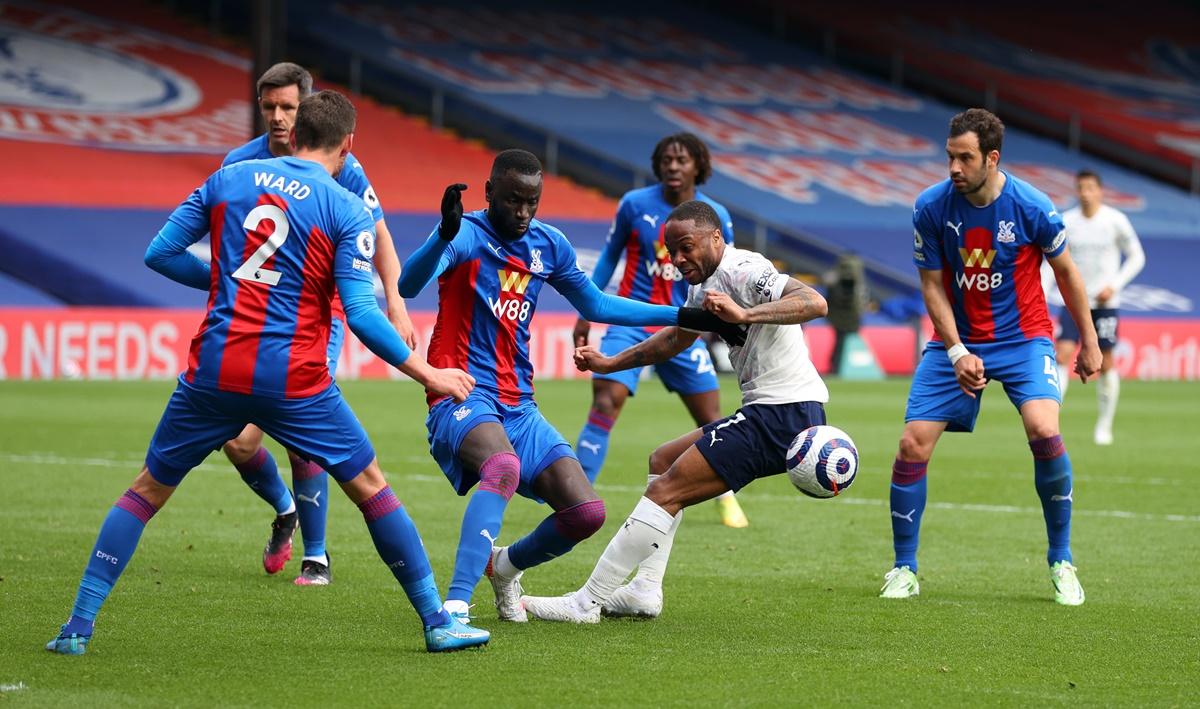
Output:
x=978 y=241
x=491 y=266
x=284 y=237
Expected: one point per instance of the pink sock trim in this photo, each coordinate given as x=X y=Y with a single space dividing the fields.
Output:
x=599 y=420
x=501 y=474
x=907 y=473
x=580 y=521
x=305 y=469
x=1047 y=448
x=253 y=464
x=382 y=504
x=136 y=505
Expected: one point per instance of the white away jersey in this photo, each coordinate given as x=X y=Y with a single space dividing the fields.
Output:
x=773 y=366
x=1097 y=245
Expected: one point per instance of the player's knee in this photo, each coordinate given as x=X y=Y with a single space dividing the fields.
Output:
x=581 y=521
x=605 y=404
x=660 y=461
x=242 y=448
x=501 y=474
x=913 y=449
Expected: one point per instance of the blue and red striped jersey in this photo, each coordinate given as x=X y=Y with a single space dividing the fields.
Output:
x=637 y=230
x=282 y=235
x=487 y=294
x=990 y=257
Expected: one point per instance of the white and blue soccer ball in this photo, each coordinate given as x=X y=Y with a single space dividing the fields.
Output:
x=822 y=461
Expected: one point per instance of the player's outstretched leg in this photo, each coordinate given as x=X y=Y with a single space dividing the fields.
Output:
x=705 y=407
x=578 y=514
x=499 y=476
x=259 y=471
x=311 y=484
x=399 y=546
x=118 y=539
x=907 y=503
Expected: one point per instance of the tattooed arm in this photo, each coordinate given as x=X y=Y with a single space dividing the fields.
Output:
x=797 y=304
x=659 y=347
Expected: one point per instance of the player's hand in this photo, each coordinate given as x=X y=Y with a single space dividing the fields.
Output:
x=724 y=307
x=398 y=316
x=453 y=383
x=590 y=359
x=969 y=372
x=1088 y=361
x=1104 y=296
x=580 y=334
x=452 y=211
x=699 y=319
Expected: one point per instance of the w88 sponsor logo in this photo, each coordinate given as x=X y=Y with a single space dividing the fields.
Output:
x=512 y=309
x=666 y=271
x=979 y=281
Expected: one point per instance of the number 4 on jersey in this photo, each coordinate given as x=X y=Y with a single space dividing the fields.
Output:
x=252 y=269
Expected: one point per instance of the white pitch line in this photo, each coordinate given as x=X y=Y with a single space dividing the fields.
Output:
x=53 y=459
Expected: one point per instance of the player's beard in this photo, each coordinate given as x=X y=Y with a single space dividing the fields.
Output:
x=973 y=188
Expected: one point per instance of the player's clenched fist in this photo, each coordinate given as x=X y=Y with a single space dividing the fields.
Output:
x=724 y=307
x=590 y=359
x=452 y=211
x=453 y=383
x=969 y=372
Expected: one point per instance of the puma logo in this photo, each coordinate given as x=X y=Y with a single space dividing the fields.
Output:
x=488 y=536
x=908 y=517
x=652 y=220
x=955 y=227
x=591 y=445
x=314 y=500
x=1063 y=498
x=714 y=440
x=495 y=249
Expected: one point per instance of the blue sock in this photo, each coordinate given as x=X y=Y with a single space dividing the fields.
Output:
x=311 y=484
x=484 y=513
x=557 y=534
x=115 y=545
x=399 y=545
x=1052 y=477
x=262 y=475
x=908 y=504
x=592 y=447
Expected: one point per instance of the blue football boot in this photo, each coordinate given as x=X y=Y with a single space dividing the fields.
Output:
x=454 y=635
x=73 y=644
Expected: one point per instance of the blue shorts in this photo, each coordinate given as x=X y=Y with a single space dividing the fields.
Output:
x=536 y=442
x=1026 y=368
x=1105 y=320
x=689 y=372
x=337 y=337
x=199 y=420
x=753 y=442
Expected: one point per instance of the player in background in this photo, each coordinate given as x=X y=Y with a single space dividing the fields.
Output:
x=280 y=90
x=978 y=242
x=782 y=395
x=284 y=236
x=1100 y=237
x=680 y=162
x=491 y=267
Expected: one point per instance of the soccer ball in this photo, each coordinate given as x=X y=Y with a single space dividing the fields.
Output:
x=822 y=461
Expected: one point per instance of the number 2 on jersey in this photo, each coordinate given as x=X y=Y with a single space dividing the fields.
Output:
x=252 y=269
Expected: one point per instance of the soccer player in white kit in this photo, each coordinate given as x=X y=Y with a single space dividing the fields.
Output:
x=782 y=395
x=1100 y=236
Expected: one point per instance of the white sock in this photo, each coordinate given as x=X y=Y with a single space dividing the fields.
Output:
x=322 y=559
x=645 y=531
x=726 y=494
x=1064 y=378
x=503 y=566
x=456 y=607
x=654 y=567
x=1108 y=390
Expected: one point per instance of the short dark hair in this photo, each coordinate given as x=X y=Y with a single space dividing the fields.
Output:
x=694 y=147
x=285 y=74
x=984 y=124
x=520 y=161
x=700 y=212
x=323 y=120
x=1086 y=174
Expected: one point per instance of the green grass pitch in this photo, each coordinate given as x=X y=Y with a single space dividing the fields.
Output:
x=784 y=612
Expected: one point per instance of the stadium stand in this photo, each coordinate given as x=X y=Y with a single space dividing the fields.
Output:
x=1129 y=91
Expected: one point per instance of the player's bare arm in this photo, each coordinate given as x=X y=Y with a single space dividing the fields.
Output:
x=659 y=347
x=968 y=368
x=797 y=304
x=388 y=265
x=1074 y=294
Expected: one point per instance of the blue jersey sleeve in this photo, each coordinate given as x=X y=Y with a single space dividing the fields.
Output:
x=1050 y=234
x=353 y=273
x=618 y=239
x=434 y=257
x=927 y=239
x=596 y=306
x=565 y=274
x=354 y=178
x=168 y=255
